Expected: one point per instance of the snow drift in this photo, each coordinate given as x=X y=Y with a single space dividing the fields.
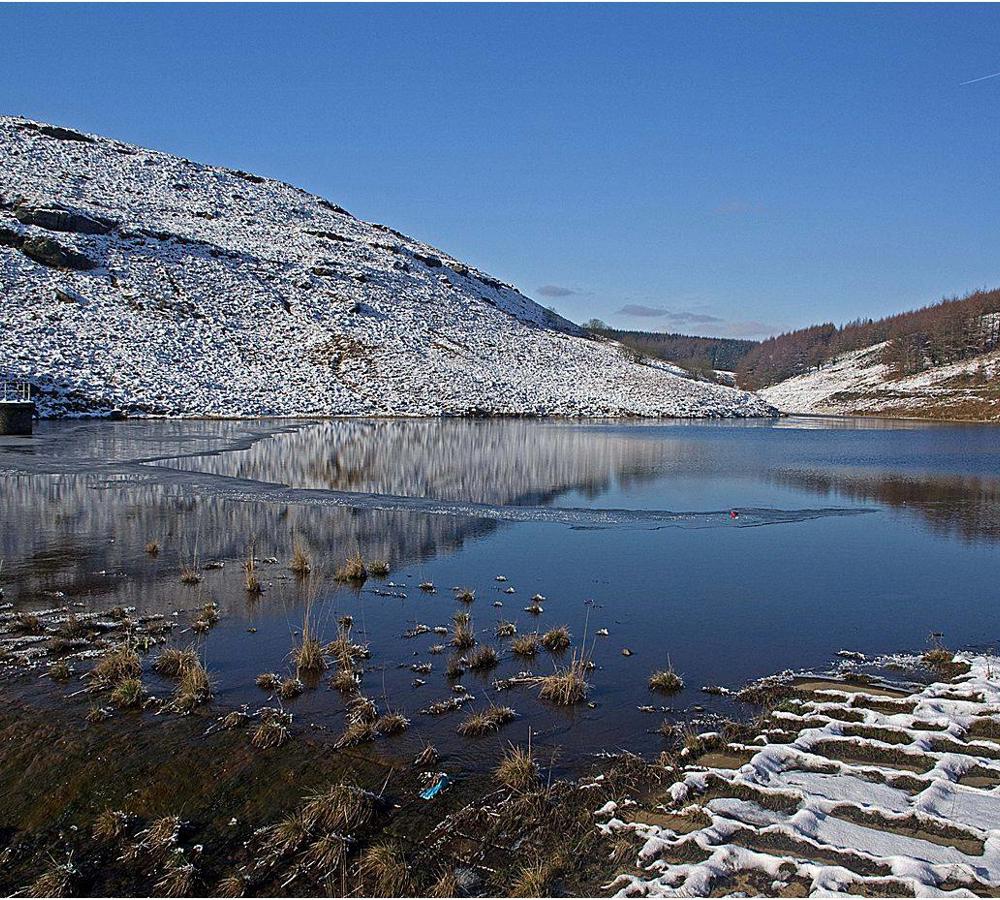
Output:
x=140 y=282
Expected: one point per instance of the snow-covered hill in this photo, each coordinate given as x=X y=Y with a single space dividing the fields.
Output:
x=859 y=383
x=142 y=282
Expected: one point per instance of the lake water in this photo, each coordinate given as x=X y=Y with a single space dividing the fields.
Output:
x=860 y=535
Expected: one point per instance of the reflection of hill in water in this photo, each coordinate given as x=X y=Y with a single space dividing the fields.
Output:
x=964 y=505
x=62 y=530
x=483 y=461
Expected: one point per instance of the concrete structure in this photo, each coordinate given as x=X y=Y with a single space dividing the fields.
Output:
x=17 y=410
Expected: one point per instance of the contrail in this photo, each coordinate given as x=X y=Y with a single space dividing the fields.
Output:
x=974 y=80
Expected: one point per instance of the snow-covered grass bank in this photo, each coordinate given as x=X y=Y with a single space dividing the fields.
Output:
x=859 y=383
x=142 y=282
x=851 y=789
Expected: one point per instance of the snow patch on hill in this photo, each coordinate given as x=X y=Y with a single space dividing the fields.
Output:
x=858 y=383
x=142 y=282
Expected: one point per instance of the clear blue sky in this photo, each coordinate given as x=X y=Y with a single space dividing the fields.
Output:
x=717 y=169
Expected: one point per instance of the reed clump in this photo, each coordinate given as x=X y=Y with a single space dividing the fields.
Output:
x=300 y=563
x=463 y=634
x=384 y=870
x=172 y=662
x=128 y=694
x=121 y=663
x=378 y=567
x=567 y=685
x=492 y=719
x=517 y=769
x=465 y=595
x=272 y=730
x=666 y=681
x=483 y=657
x=194 y=687
x=352 y=569
x=526 y=645
x=555 y=640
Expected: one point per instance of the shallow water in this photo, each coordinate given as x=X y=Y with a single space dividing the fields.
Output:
x=852 y=534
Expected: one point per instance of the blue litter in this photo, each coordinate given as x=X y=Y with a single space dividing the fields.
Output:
x=436 y=788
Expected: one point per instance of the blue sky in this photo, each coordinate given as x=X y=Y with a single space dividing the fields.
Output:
x=716 y=169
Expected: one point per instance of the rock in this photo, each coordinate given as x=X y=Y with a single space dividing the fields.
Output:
x=65 y=134
x=58 y=218
x=10 y=237
x=432 y=262
x=50 y=252
x=64 y=295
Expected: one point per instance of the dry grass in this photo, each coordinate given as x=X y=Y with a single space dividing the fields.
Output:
x=482 y=658
x=268 y=681
x=26 y=624
x=173 y=661
x=445 y=885
x=289 y=834
x=251 y=579
x=378 y=567
x=121 y=663
x=73 y=627
x=308 y=656
x=153 y=548
x=193 y=689
x=391 y=723
x=345 y=680
x=533 y=880
x=492 y=719
x=178 y=877
x=517 y=769
x=60 y=671
x=232 y=885
x=666 y=681
x=326 y=854
x=384 y=870
x=556 y=640
x=454 y=669
x=937 y=657
x=526 y=645
x=208 y=617
x=341 y=808
x=506 y=629
x=290 y=688
x=110 y=826
x=463 y=635
x=427 y=756
x=362 y=709
x=56 y=881
x=465 y=595
x=567 y=685
x=190 y=575
x=356 y=732
x=353 y=569
x=300 y=563
x=272 y=730
x=128 y=694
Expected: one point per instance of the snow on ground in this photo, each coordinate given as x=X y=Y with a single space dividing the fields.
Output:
x=859 y=793
x=138 y=281
x=858 y=383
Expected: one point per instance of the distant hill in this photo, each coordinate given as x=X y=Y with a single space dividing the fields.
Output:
x=941 y=361
x=700 y=355
x=138 y=282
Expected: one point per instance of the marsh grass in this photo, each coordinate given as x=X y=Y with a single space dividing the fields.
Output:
x=341 y=808
x=356 y=733
x=268 y=681
x=526 y=645
x=555 y=640
x=60 y=671
x=492 y=719
x=152 y=548
x=290 y=688
x=193 y=689
x=465 y=595
x=128 y=694
x=190 y=575
x=378 y=567
x=299 y=564
x=506 y=629
x=178 y=876
x=666 y=681
x=384 y=870
x=463 y=634
x=251 y=580
x=352 y=569
x=234 y=884
x=207 y=618
x=391 y=723
x=567 y=685
x=172 y=662
x=27 y=624
x=427 y=756
x=445 y=885
x=517 y=769
x=482 y=658
x=110 y=826
x=345 y=680
x=272 y=730
x=121 y=663
x=454 y=669
x=57 y=880
x=533 y=880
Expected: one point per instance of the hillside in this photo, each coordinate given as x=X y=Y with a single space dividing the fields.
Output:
x=863 y=383
x=143 y=283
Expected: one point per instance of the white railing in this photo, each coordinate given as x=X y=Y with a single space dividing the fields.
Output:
x=15 y=392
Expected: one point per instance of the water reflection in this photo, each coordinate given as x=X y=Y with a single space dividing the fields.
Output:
x=965 y=506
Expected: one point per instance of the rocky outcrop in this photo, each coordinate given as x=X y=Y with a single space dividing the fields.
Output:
x=49 y=252
x=59 y=218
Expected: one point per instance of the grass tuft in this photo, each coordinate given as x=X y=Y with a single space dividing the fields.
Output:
x=526 y=645
x=567 y=685
x=353 y=569
x=272 y=730
x=463 y=634
x=173 y=661
x=299 y=564
x=666 y=681
x=482 y=658
x=193 y=689
x=153 y=548
x=492 y=719
x=391 y=723
x=128 y=694
x=556 y=640
x=384 y=870
x=517 y=769
x=465 y=595
x=378 y=567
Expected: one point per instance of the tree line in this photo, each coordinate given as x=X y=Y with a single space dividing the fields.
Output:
x=945 y=332
x=700 y=355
